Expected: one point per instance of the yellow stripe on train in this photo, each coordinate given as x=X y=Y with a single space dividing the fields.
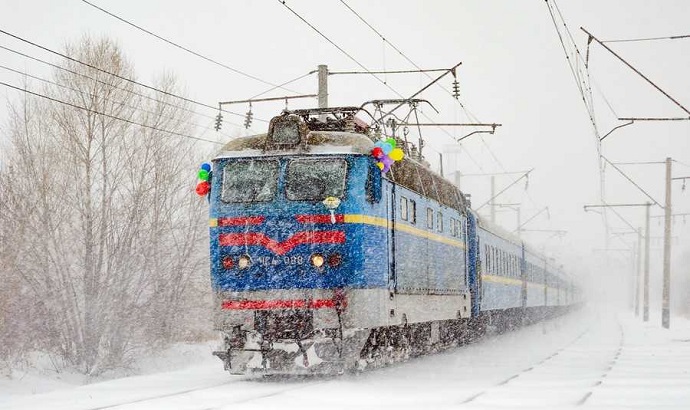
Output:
x=383 y=222
x=515 y=282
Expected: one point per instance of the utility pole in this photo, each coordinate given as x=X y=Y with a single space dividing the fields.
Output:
x=323 y=86
x=638 y=279
x=645 y=296
x=645 y=292
x=666 y=293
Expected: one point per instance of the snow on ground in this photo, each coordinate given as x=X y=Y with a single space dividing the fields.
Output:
x=589 y=360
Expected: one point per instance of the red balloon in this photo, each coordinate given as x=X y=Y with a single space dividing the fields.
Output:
x=203 y=188
x=377 y=152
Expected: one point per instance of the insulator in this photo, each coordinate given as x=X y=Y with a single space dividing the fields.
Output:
x=456 y=89
x=248 y=119
x=219 y=121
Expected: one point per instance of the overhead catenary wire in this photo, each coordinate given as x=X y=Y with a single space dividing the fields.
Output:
x=107 y=115
x=283 y=2
x=385 y=40
x=172 y=43
x=67 y=70
x=105 y=99
x=121 y=77
x=468 y=113
x=348 y=55
x=284 y=84
x=582 y=81
x=631 y=40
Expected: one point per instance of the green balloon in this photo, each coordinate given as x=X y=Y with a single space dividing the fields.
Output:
x=203 y=175
x=391 y=141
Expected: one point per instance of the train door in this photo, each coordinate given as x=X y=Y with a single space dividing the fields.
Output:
x=474 y=273
x=391 y=202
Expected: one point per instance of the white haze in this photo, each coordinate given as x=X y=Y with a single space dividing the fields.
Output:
x=515 y=73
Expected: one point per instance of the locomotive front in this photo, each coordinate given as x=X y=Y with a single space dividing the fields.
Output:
x=287 y=249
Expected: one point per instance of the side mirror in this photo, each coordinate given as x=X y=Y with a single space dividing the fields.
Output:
x=373 y=185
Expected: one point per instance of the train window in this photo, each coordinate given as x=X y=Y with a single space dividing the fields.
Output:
x=373 y=184
x=503 y=262
x=504 y=257
x=497 y=263
x=489 y=257
x=403 y=208
x=439 y=221
x=250 y=181
x=413 y=211
x=453 y=227
x=315 y=179
x=430 y=218
x=486 y=258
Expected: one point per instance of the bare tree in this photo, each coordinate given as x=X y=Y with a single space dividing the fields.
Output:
x=108 y=235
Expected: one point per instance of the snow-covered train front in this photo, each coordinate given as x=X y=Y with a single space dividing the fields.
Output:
x=321 y=264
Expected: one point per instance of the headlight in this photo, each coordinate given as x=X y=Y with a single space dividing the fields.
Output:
x=244 y=262
x=317 y=260
x=334 y=259
x=227 y=262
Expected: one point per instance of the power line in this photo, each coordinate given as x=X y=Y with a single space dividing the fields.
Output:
x=467 y=112
x=108 y=84
x=360 y=64
x=121 y=77
x=172 y=43
x=285 y=83
x=108 y=115
x=338 y=47
x=105 y=99
x=630 y=40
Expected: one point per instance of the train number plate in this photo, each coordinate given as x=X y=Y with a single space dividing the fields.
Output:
x=281 y=260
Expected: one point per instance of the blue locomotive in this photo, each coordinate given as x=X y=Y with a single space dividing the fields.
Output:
x=321 y=263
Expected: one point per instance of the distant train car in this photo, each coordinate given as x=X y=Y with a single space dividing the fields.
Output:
x=320 y=263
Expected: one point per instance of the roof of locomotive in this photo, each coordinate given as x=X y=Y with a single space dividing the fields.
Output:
x=317 y=142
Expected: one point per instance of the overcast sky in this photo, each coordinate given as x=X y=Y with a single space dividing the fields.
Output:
x=513 y=72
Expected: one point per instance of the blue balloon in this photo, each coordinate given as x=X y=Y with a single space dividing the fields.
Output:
x=206 y=167
x=387 y=148
x=379 y=144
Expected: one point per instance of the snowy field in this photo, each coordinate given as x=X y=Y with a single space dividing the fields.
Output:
x=595 y=361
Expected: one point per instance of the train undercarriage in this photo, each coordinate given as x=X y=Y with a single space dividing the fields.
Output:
x=285 y=342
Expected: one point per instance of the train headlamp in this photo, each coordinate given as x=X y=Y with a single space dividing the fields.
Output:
x=244 y=262
x=228 y=263
x=317 y=260
x=334 y=259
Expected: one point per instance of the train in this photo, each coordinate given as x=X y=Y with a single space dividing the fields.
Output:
x=322 y=263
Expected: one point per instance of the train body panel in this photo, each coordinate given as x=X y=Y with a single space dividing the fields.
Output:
x=502 y=282
x=318 y=260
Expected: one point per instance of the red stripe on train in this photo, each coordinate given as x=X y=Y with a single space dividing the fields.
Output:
x=241 y=220
x=319 y=219
x=281 y=248
x=279 y=304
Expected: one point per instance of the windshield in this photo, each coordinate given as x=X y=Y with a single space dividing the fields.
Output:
x=250 y=181
x=315 y=179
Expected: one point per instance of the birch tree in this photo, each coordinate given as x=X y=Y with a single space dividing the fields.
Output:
x=108 y=239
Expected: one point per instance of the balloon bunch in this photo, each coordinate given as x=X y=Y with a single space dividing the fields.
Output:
x=386 y=153
x=204 y=174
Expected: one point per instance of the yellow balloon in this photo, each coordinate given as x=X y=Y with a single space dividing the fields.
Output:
x=380 y=165
x=397 y=154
